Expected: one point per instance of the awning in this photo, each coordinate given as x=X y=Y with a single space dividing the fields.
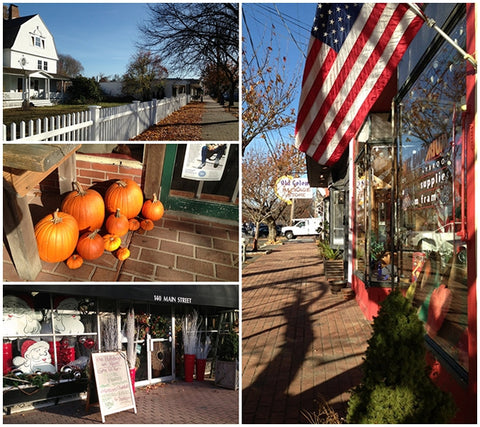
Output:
x=225 y=296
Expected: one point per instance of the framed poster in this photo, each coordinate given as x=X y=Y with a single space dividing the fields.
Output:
x=113 y=382
x=205 y=162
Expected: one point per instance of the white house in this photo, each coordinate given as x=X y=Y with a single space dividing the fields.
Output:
x=29 y=61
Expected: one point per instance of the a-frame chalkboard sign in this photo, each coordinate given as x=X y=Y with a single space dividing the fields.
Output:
x=113 y=382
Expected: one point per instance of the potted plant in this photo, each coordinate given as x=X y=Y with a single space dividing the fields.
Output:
x=333 y=265
x=226 y=365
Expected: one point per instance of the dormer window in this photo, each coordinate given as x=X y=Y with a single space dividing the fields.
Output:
x=38 y=42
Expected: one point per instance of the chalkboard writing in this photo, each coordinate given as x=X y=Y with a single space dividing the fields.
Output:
x=112 y=378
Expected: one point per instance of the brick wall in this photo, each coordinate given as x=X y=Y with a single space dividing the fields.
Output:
x=97 y=172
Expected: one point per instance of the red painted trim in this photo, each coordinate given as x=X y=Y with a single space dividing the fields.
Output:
x=471 y=208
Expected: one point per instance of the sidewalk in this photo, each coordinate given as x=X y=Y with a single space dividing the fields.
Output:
x=218 y=124
x=170 y=403
x=299 y=340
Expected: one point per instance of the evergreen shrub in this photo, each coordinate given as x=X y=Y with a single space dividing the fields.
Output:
x=396 y=387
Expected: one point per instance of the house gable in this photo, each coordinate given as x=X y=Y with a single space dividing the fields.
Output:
x=29 y=45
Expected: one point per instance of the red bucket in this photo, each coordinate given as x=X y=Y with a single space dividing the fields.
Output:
x=7 y=357
x=132 y=376
x=200 y=365
x=189 y=367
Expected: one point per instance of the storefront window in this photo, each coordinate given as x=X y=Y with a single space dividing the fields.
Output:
x=360 y=180
x=432 y=203
x=374 y=213
x=47 y=334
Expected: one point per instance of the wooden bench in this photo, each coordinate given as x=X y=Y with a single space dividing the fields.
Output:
x=24 y=167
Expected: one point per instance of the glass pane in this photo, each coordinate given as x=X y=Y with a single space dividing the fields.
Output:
x=380 y=214
x=360 y=181
x=432 y=179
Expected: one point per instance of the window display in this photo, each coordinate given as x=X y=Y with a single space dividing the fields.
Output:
x=432 y=203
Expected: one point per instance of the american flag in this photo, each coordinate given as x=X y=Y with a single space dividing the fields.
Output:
x=353 y=51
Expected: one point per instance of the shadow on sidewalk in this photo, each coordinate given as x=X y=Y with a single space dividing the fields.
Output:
x=272 y=397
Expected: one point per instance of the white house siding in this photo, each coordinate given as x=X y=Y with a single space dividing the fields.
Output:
x=24 y=47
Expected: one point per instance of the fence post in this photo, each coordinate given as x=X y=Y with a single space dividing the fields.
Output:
x=95 y=116
x=153 y=117
x=136 y=108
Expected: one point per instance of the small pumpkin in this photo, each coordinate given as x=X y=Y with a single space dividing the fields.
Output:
x=133 y=224
x=75 y=261
x=153 y=209
x=123 y=253
x=117 y=224
x=111 y=242
x=86 y=206
x=146 y=224
x=90 y=245
x=57 y=236
x=125 y=195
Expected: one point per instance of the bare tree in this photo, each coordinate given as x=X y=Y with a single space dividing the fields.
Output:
x=268 y=93
x=69 y=66
x=194 y=35
x=260 y=171
x=144 y=76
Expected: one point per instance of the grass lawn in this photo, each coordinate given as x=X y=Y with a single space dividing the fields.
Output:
x=17 y=115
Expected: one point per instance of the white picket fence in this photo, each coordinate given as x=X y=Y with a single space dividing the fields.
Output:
x=97 y=124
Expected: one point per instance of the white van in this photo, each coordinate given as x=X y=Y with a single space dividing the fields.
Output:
x=302 y=227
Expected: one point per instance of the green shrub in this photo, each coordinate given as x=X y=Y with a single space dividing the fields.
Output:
x=327 y=252
x=228 y=348
x=396 y=387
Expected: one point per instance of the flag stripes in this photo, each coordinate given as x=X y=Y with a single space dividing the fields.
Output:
x=342 y=80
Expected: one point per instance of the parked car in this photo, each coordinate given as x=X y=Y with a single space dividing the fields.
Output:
x=443 y=240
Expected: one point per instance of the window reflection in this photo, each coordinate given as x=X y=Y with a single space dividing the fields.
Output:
x=433 y=256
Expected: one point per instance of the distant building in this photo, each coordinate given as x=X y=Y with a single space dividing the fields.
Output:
x=171 y=88
x=29 y=61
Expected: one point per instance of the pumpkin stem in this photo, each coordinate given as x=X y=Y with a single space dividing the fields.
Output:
x=81 y=191
x=122 y=183
x=118 y=214
x=56 y=219
x=93 y=234
x=155 y=198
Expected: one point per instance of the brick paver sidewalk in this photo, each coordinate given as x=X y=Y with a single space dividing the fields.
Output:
x=299 y=340
x=175 y=403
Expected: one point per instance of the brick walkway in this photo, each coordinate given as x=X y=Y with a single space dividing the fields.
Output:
x=299 y=340
x=175 y=403
x=181 y=247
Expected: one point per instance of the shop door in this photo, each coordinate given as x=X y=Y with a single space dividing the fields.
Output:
x=160 y=359
x=154 y=344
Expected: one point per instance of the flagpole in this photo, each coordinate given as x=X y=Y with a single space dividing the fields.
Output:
x=431 y=23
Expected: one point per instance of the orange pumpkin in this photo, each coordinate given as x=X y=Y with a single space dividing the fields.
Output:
x=117 y=224
x=153 y=209
x=74 y=262
x=146 y=224
x=86 y=206
x=125 y=195
x=90 y=245
x=123 y=253
x=111 y=242
x=133 y=224
x=57 y=236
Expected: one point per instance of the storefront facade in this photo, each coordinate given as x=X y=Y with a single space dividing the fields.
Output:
x=54 y=330
x=412 y=193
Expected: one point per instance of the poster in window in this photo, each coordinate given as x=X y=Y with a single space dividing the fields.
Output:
x=205 y=162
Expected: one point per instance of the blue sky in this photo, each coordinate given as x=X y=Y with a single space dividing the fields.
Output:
x=292 y=34
x=101 y=36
